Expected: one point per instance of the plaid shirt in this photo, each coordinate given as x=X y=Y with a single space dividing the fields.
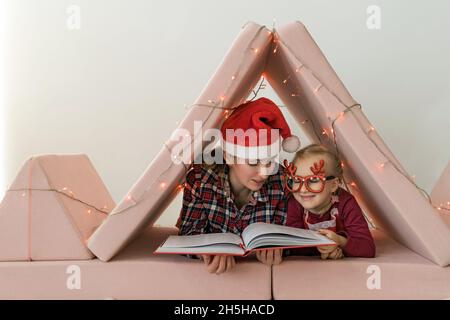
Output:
x=208 y=205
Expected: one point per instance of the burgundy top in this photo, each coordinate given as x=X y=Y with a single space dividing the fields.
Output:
x=350 y=223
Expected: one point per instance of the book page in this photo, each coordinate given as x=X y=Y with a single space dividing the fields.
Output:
x=200 y=240
x=229 y=249
x=264 y=234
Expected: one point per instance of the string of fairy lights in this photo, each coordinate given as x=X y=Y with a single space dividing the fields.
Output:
x=220 y=103
x=67 y=193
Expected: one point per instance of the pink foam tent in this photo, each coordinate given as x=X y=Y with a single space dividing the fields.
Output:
x=51 y=209
x=302 y=77
x=299 y=72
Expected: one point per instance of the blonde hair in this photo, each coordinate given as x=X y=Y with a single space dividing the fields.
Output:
x=318 y=149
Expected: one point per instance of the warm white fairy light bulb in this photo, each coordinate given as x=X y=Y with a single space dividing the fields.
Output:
x=177 y=158
x=381 y=165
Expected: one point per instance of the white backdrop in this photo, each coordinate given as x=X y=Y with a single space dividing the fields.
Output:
x=111 y=78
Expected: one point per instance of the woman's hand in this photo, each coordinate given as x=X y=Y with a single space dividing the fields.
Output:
x=270 y=256
x=218 y=264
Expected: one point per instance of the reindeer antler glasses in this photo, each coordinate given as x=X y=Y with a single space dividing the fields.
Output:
x=314 y=183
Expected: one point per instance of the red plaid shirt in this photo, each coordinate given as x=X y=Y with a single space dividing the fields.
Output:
x=208 y=205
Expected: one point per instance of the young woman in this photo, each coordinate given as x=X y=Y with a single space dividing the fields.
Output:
x=247 y=187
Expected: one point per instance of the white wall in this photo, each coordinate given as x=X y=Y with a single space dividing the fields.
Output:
x=115 y=88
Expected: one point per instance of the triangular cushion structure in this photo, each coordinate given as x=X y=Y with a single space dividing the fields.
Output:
x=441 y=194
x=302 y=77
x=55 y=203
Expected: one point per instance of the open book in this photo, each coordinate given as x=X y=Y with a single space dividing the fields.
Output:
x=256 y=236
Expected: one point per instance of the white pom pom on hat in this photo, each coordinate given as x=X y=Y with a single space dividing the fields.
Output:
x=291 y=144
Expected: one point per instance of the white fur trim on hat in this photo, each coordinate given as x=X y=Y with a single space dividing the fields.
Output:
x=256 y=152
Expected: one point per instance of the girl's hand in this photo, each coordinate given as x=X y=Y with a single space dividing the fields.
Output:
x=218 y=264
x=327 y=249
x=340 y=240
x=270 y=256
x=335 y=254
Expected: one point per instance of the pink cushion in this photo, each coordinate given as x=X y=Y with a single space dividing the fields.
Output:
x=52 y=207
x=404 y=275
x=135 y=274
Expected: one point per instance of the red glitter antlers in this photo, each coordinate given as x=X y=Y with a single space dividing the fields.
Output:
x=317 y=169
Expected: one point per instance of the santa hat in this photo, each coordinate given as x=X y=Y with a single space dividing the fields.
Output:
x=253 y=131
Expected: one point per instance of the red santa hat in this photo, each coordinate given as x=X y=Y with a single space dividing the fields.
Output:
x=253 y=131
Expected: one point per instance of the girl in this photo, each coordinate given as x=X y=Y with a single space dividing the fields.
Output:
x=318 y=203
x=247 y=188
